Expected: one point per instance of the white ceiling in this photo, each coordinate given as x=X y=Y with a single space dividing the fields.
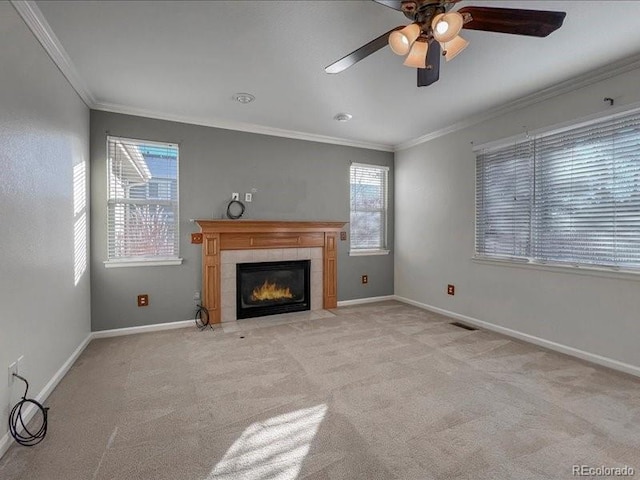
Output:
x=184 y=60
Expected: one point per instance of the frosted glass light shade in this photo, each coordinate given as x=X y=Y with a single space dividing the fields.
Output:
x=400 y=41
x=447 y=26
x=454 y=47
x=435 y=23
x=417 y=57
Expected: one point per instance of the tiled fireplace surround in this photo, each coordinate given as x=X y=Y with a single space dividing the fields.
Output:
x=230 y=258
x=225 y=243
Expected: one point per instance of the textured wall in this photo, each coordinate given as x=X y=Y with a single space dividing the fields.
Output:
x=294 y=179
x=44 y=141
x=435 y=187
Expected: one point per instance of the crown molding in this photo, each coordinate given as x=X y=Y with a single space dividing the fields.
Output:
x=41 y=29
x=36 y=22
x=242 y=127
x=574 y=83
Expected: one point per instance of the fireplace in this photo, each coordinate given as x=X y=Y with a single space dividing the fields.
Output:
x=269 y=288
x=243 y=240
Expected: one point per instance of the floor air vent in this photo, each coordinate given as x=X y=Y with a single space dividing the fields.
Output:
x=462 y=325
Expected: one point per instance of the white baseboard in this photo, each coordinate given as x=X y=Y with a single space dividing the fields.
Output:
x=48 y=388
x=360 y=301
x=118 y=332
x=5 y=443
x=28 y=412
x=558 y=347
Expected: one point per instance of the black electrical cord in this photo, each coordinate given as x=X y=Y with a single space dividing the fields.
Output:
x=16 y=421
x=202 y=318
x=235 y=216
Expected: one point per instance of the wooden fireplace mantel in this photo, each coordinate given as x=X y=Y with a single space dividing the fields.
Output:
x=221 y=235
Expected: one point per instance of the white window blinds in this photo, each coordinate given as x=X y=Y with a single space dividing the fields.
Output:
x=503 y=200
x=143 y=199
x=585 y=203
x=587 y=207
x=368 y=207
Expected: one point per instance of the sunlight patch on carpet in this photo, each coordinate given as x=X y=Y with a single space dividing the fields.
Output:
x=273 y=449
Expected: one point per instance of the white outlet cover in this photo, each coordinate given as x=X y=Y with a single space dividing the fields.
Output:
x=248 y=197
x=13 y=368
x=235 y=196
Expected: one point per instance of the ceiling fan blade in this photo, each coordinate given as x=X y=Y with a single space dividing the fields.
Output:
x=427 y=76
x=535 y=23
x=363 y=52
x=395 y=4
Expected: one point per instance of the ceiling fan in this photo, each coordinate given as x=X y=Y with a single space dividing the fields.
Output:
x=434 y=32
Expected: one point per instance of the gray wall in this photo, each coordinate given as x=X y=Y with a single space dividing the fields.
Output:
x=294 y=179
x=44 y=133
x=435 y=184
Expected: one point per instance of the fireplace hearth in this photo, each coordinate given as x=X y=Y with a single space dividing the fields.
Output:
x=270 y=288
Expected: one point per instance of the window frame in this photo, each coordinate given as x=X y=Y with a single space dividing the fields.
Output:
x=384 y=248
x=140 y=261
x=625 y=271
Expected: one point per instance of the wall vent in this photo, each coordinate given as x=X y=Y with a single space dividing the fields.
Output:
x=462 y=325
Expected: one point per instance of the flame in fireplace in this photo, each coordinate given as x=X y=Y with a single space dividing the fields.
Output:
x=270 y=291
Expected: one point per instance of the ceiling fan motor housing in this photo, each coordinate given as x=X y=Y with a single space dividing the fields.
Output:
x=423 y=11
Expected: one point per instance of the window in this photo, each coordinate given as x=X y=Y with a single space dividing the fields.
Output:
x=368 y=209
x=503 y=201
x=79 y=221
x=568 y=196
x=143 y=202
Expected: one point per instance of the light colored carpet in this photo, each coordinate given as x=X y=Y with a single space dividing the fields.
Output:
x=380 y=391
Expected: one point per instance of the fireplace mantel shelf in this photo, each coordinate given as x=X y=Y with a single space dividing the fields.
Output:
x=221 y=235
x=259 y=226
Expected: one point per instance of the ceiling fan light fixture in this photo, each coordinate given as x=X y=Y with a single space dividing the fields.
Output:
x=454 y=47
x=446 y=26
x=438 y=26
x=417 y=57
x=400 y=41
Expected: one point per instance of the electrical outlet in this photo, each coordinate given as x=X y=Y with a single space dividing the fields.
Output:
x=343 y=236
x=235 y=196
x=196 y=238
x=13 y=368
x=196 y=296
x=365 y=279
x=248 y=197
x=143 y=300
x=451 y=289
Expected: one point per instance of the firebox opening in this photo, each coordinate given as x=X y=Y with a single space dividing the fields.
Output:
x=269 y=288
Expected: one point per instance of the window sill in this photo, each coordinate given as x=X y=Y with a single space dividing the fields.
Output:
x=365 y=253
x=559 y=268
x=138 y=262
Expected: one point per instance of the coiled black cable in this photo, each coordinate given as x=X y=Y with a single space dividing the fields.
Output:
x=202 y=318
x=232 y=205
x=16 y=420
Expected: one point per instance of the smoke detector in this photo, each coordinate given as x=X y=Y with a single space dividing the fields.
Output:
x=244 y=98
x=343 y=117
